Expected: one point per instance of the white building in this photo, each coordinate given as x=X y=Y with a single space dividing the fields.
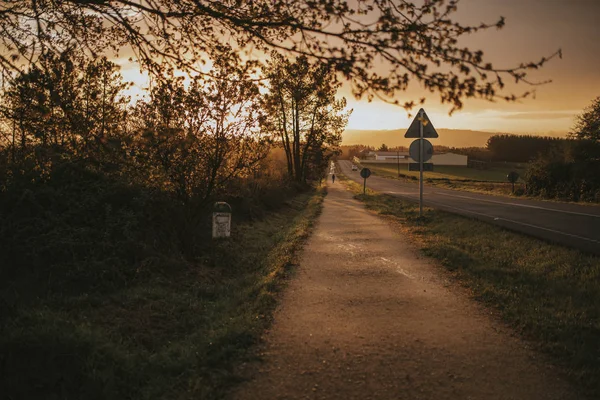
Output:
x=386 y=156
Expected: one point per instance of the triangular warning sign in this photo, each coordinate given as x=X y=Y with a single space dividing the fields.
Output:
x=414 y=130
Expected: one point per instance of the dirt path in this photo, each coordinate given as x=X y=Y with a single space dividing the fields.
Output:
x=367 y=318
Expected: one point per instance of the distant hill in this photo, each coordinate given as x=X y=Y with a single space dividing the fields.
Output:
x=448 y=137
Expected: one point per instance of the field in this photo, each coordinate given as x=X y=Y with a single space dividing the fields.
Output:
x=497 y=173
x=492 y=180
x=549 y=294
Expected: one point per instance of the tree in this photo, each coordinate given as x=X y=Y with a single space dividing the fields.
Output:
x=102 y=107
x=192 y=141
x=520 y=148
x=350 y=152
x=413 y=42
x=56 y=106
x=571 y=171
x=587 y=126
x=383 y=147
x=303 y=114
x=586 y=134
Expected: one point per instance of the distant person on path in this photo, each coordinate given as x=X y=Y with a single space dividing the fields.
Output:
x=333 y=178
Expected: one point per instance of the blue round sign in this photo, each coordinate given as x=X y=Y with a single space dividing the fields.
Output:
x=512 y=176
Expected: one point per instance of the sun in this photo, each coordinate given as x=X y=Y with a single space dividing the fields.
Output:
x=376 y=116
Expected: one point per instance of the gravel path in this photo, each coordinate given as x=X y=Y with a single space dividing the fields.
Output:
x=366 y=317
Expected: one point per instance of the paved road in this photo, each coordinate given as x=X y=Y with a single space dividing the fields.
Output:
x=571 y=225
x=365 y=317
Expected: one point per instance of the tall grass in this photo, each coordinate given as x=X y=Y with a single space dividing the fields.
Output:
x=112 y=291
x=547 y=293
x=492 y=181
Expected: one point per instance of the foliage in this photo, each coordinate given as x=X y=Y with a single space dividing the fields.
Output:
x=64 y=105
x=349 y=152
x=587 y=126
x=303 y=114
x=383 y=147
x=520 y=148
x=408 y=40
x=189 y=141
x=550 y=175
x=195 y=140
x=474 y=153
x=110 y=286
x=586 y=135
x=571 y=171
x=103 y=297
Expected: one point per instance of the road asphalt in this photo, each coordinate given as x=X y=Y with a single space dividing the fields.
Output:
x=572 y=225
x=366 y=317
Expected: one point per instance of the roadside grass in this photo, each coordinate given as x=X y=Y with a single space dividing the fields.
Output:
x=548 y=293
x=495 y=188
x=496 y=173
x=492 y=180
x=176 y=331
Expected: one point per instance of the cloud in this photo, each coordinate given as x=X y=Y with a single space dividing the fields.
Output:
x=541 y=115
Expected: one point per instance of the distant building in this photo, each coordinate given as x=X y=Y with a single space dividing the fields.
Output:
x=402 y=157
x=386 y=155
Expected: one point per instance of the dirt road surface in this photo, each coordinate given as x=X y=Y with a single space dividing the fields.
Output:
x=366 y=317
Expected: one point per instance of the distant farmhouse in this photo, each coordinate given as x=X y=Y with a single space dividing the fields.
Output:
x=393 y=157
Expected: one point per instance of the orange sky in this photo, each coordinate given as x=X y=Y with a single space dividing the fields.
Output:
x=534 y=28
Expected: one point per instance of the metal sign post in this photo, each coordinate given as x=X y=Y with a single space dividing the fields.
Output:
x=421 y=128
x=421 y=112
x=512 y=178
x=365 y=173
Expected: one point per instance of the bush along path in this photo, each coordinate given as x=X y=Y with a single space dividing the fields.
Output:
x=367 y=318
x=97 y=303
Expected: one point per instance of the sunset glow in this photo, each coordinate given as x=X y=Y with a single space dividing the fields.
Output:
x=378 y=115
x=533 y=29
x=269 y=199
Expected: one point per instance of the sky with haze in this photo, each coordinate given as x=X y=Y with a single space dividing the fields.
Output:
x=534 y=28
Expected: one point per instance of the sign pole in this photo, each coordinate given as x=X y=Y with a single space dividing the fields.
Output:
x=419 y=129
x=421 y=156
x=365 y=173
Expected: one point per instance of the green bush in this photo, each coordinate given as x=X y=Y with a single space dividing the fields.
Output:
x=114 y=290
x=79 y=230
x=557 y=174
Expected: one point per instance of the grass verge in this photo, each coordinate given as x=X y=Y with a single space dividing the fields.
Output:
x=496 y=173
x=175 y=331
x=548 y=293
x=492 y=181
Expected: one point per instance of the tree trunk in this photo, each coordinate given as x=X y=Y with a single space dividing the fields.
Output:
x=309 y=139
x=298 y=173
